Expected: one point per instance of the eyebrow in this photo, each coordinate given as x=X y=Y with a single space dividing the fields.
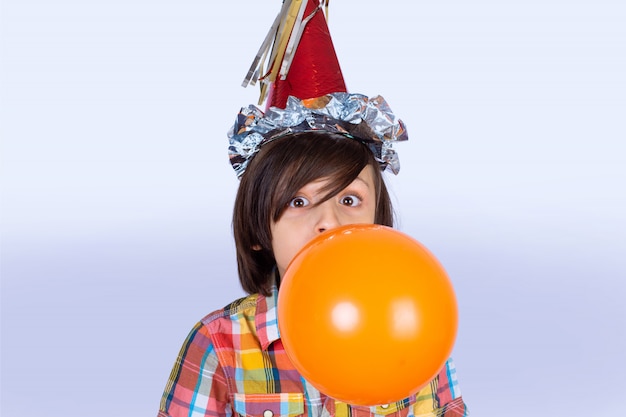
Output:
x=361 y=180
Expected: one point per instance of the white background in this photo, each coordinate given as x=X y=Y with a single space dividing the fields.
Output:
x=117 y=192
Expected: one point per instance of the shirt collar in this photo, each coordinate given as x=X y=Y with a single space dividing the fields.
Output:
x=266 y=319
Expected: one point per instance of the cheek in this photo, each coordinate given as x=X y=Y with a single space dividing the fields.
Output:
x=379 y=211
x=282 y=243
x=371 y=213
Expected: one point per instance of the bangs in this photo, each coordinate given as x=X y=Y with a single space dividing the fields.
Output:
x=299 y=156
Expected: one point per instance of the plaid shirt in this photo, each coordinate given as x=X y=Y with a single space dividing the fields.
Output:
x=233 y=362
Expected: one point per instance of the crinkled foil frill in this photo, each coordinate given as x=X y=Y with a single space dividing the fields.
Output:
x=368 y=120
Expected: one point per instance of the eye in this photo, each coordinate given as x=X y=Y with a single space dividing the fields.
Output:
x=351 y=200
x=298 y=202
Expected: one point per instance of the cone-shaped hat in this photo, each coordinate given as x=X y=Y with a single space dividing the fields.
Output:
x=314 y=70
x=298 y=55
x=307 y=92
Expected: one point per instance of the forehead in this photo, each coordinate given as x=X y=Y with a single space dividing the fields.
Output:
x=364 y=180
x=366 y=176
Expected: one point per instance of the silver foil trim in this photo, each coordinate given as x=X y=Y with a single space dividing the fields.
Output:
x=368 y=120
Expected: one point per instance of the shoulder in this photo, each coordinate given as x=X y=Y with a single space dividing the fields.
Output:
x=217 y=329
x=249 y=320
x=242 y=308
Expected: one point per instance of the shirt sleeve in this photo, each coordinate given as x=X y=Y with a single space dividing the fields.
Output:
x=448 y=393
x=197 y=386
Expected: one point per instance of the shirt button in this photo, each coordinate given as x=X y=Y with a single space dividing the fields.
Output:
x=384 y=406
x=268 y=413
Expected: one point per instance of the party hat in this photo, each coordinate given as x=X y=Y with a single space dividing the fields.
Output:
x=302 y=62
x=305 y=91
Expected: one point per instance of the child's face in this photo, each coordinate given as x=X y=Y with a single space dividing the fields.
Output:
x=302 y=220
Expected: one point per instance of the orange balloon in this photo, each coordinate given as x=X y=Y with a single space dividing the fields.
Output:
x=367 y=314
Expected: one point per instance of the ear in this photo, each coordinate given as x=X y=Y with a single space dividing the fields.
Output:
x=256 y=247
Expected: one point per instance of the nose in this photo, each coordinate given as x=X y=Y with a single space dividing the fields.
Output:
x=327 y=217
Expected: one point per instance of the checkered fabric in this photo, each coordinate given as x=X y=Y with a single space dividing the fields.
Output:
x=233 y=363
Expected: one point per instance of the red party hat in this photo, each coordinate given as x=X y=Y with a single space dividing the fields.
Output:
x=303 y=62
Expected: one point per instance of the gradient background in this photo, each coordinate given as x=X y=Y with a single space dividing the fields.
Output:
x=117 y=192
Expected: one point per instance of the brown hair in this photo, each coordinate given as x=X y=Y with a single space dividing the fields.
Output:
x=274 y=176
